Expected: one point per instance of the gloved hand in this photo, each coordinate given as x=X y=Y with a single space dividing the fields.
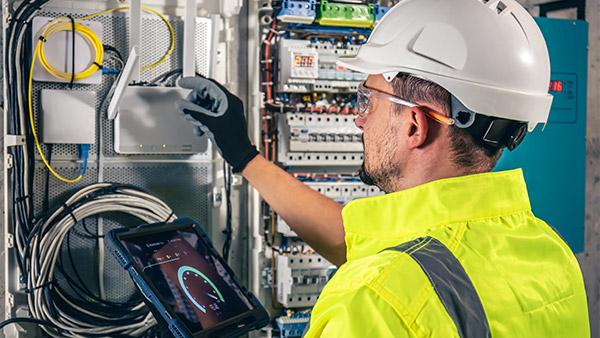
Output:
x=220 y=115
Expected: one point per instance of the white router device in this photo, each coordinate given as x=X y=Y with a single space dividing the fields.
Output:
x=146 y=120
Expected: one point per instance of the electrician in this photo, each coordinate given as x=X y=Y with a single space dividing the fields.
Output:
x=452 y=250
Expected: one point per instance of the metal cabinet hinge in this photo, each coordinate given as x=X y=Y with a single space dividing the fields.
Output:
x=9 y=161
x=217 y=197
x=10 y=241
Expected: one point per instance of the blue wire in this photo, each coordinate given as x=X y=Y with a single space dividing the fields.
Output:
x=84 y=150
x=110 y=71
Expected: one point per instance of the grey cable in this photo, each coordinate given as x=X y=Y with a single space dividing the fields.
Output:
x=46 y=250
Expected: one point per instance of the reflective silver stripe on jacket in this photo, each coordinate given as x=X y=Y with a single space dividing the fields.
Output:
x=451 y=283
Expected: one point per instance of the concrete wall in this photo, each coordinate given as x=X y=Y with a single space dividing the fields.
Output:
x=590 y=259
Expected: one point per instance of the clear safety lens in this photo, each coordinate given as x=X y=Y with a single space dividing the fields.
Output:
x=362 y=100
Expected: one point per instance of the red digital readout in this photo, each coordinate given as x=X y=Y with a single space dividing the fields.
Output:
x=555 y=86
x=304 y=61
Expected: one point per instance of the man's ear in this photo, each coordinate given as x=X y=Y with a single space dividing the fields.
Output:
x=418 y=128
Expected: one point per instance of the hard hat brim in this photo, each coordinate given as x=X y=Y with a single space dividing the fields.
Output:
x=483 y=99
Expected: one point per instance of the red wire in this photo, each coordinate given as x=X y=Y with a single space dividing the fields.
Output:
x=268 y=87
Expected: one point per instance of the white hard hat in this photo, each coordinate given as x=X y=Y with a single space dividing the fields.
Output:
x=489 y=54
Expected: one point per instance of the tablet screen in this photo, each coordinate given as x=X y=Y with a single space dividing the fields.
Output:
x=189 y=278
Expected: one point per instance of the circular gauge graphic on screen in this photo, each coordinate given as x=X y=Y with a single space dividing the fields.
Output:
x=199 y=288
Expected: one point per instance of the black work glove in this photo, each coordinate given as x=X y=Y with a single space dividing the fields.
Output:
x=220 y=115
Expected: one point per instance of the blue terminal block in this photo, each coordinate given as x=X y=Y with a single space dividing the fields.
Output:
x=553 y=158
x=292 y=327
x=298 y=11
x=379 y=12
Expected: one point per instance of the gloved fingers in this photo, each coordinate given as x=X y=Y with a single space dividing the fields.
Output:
x=206 y=88
x=203 y=99
x=186 y=107
x=195 y=82
x=193 y=120
x=204 y=125
x=198 y=131
x=200 y=80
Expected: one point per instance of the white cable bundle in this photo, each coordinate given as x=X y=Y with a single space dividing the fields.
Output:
x=44 y=251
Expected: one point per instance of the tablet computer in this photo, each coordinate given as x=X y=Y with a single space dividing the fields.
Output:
x=185 y=281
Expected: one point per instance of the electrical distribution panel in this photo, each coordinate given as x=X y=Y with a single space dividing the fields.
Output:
x=309 y=108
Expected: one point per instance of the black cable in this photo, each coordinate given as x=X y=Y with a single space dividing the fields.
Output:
x=82 y=294
x=164 y=77
x=108 y=48
x=91 y=234
x=228 y=228
x=88 y=292
x=73 y=267
x=49 y=324
x=28 y=320
x=47 y=185
x=22 y=200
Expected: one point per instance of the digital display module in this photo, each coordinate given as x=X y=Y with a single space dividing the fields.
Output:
x=555 y=86
x=304 y=61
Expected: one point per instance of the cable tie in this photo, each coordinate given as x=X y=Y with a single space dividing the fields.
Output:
x=22 y=198
x=169 y=217
x=39 y=287
x=42 y=38
x=68 y=209
x=97 y=65
x=73 y=49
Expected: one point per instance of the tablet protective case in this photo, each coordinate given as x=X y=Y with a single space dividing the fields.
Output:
x=194 y=294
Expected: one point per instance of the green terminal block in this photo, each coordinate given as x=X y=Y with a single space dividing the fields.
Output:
x=334 y=14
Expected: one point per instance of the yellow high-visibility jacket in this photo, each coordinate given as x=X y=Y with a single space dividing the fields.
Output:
x=526 y=280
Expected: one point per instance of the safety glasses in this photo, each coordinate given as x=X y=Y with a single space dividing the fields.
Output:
x=365 y=94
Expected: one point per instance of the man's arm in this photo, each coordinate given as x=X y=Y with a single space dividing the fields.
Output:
x=315 y=218
x=220 y=115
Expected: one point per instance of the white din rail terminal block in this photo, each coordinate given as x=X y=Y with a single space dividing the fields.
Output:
x=301 y=278
x=319 y=139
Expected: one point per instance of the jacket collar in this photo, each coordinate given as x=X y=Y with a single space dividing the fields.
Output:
x=375 y=223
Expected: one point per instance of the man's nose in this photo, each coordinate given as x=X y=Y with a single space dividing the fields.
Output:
x=360 y=121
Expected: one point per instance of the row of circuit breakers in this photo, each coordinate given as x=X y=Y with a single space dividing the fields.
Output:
x=312 y=103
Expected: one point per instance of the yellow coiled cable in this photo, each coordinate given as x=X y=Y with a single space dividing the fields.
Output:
x=54 y=27
x=79 y=28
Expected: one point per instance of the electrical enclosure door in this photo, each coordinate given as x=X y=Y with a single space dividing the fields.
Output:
x=553 y=160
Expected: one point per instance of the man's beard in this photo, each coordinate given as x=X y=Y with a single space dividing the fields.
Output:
x=364 y=175
x=385 y=174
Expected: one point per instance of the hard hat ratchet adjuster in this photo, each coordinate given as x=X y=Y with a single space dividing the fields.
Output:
x=498 y=132
x=495 y=131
